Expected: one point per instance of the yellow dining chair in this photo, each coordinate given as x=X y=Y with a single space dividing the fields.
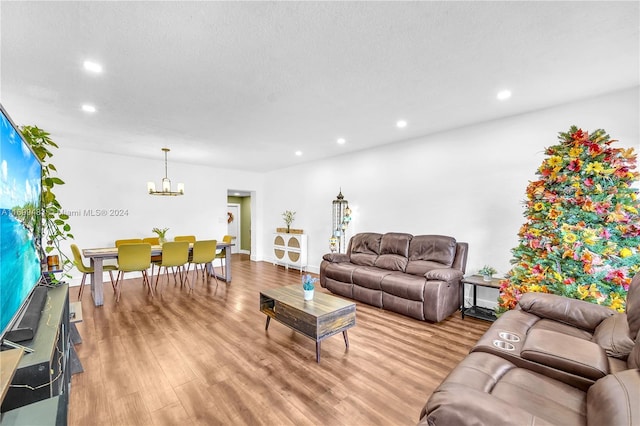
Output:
x=86 y=270
x=154 y=241
x=129 y=241
x=155 y=260
x=187 y=238
x=175 y=254
x=133 y=257
x=223 y=253
x=118 y=243
x=204 y=252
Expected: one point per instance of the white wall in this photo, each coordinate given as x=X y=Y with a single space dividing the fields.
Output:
x=106 y=196
x=468 y=183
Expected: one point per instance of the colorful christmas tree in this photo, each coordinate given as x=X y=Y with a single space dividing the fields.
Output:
x=581 y=238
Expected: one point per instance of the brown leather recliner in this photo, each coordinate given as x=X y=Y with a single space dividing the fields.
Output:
x=485 y=389
x=571 y=340
x=554 y=360
x=418 y=276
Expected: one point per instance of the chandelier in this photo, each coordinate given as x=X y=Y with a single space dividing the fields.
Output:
x=166 y=182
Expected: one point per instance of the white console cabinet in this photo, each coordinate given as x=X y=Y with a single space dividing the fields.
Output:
x=290 y=250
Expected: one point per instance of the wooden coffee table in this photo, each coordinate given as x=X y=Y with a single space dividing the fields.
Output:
x=317 y=319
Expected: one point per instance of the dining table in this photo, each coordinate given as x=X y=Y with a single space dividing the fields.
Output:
x=97 y=256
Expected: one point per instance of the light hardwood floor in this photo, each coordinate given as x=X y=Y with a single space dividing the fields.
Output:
x=205 y=358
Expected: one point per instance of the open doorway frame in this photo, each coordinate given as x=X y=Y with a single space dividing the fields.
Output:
x=245 y=202
x=234 y=226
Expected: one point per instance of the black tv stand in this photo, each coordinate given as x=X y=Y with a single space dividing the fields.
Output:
x=45 y=373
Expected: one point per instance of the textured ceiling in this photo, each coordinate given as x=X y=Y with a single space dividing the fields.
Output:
x=245 y=84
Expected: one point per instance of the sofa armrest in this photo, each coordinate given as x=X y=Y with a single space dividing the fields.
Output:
x=566 y=353
x=611 y=400
x=457 y=404
x=578 y=313
x=444 y=274
x=613 y=336
x=336 y=257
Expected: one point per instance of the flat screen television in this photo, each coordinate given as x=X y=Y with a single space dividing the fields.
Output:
x=20 y=222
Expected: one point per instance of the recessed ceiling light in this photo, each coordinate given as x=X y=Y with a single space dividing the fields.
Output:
x=503 y=95
x=401 y=124
x=298 y=153
x=92 y=66
x=341 y=141
x=88 y=108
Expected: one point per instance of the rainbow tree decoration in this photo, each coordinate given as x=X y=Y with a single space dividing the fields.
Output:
x=581 y=238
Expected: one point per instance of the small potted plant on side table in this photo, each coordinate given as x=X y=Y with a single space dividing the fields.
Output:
x=308 y=286
x=487 y=272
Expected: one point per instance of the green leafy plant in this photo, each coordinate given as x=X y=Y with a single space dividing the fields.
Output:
x=55 y=222
x=308 y=282
x=288 y=216
x=161 y=232
x=487 y=270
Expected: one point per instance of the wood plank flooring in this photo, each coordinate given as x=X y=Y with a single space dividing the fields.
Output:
x=204 y=357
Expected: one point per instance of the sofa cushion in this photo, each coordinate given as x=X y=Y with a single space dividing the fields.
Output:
x=613 y=400
x=395 y=243
x=613 y=336
x=394 y=249
x=364 y=248
x=339 y=287
x=409 y=287
x=340 y=271
x=494 y=391
x=369 y=277
x=368 y=296
x=566 y=353
x=549 y=399
x=410 y=308
x=391 y=262
x=559 y=327
x=456 y=404
x=427 y=252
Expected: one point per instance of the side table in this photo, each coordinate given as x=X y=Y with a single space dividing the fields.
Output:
x=474 y=310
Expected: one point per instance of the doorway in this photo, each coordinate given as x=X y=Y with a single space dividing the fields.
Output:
x=234 y=227
x=243 y=201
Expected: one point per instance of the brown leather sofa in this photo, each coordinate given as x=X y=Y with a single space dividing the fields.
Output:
x=553 y=360
x=418 y=276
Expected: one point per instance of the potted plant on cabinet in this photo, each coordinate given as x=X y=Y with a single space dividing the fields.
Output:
x=288 y=216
